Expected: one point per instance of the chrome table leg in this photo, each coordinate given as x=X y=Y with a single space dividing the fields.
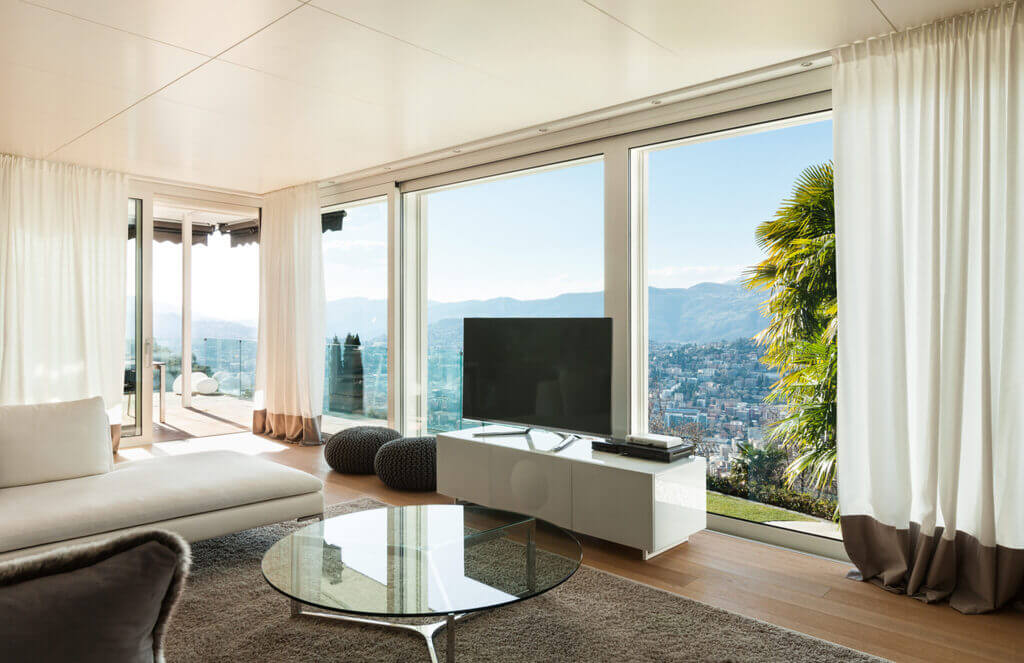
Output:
x=427 y=631
x=449 y=654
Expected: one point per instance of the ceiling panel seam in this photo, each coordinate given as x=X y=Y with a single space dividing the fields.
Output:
x=630 y=28
x=301 y=4
x=420 y=47
x=879 y=10
x=112 y=27
x=295 y=81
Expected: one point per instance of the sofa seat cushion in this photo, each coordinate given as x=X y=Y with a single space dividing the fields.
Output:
x=143 y=492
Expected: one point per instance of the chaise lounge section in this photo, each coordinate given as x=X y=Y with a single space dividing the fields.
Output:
x=66 y=489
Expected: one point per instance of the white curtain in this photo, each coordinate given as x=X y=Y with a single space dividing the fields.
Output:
x=63 y=230
x=290 y=351
x=929 y=125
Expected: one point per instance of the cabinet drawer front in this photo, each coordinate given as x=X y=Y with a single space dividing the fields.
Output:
x=462 y=470
x=613 y=504
x=531 y=484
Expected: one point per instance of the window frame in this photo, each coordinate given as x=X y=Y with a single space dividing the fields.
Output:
x=148 y=191
x=353 y=203
x=416 y=223
x=780 y=536
x=625 y=270
x=395 y=291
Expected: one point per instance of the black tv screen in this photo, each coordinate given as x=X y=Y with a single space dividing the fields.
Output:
x=553 y=373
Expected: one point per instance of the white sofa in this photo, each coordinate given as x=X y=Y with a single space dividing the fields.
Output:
x=59 y=484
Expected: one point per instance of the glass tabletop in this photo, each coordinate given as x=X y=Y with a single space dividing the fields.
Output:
x=418 y=561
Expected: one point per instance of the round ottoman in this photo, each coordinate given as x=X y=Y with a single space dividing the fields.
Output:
x=352 y=450
x=409 y=463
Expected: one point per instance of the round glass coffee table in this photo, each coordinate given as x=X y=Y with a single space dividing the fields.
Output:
x=444 y=561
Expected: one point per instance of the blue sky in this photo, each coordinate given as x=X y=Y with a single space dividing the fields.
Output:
x=527 y=237
x=541 y=234
x=356 y=257
x=706 y=198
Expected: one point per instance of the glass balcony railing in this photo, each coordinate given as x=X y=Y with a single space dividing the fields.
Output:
x=356 y=380
x=355 y=376
x=444 y=388
x=230 y=362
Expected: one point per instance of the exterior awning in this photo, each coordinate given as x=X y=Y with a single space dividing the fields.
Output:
x=332 y=220
x=169 y=230
x=242 y=232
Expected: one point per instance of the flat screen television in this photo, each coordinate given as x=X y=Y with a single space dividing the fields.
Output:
x=553 y=373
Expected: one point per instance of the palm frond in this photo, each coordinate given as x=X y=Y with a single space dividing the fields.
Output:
x=799 y=278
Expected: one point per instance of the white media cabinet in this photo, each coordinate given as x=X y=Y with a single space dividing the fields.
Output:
x=639 y=503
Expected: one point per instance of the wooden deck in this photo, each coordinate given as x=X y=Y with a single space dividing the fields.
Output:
x=220 y=414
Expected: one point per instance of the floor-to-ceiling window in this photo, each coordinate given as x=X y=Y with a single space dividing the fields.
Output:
x=355 y=247
x=707 y=201
x=525 y=244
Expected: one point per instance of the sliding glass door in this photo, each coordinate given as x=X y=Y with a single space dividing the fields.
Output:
x=205 y=294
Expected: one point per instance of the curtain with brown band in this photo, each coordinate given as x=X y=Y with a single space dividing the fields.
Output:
x=973 y=577
x=929 y=150
x=289 y=394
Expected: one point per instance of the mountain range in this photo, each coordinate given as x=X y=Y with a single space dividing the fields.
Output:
x=698 y=314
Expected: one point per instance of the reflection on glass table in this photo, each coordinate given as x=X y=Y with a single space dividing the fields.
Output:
x=419 y=561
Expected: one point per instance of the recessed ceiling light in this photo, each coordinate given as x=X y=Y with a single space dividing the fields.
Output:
x=806 y=64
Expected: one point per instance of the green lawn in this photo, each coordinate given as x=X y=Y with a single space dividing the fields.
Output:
x=727 y=505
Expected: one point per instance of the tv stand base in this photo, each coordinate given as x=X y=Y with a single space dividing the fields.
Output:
x=504 y=433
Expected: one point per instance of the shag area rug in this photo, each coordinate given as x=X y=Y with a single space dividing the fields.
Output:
x=229 y=613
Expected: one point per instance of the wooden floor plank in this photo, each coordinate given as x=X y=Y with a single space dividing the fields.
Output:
x=804 y=615
x=796 y=591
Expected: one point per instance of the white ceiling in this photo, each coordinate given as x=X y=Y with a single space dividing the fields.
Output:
x=254 y=95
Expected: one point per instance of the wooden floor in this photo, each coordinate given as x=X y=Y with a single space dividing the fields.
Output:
x=800 y=592
x=222 y=414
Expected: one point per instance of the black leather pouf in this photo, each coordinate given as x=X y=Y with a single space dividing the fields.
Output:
x=409 y=463
x=352 y=450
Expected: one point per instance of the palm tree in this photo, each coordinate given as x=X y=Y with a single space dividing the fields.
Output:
x=799 y=275
x=758 y=468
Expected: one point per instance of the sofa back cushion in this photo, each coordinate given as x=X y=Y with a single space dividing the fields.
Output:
x=54 y=441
